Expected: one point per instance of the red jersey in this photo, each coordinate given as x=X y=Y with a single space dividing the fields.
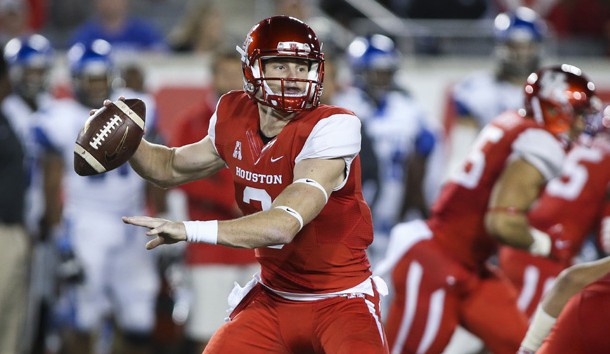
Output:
x=211 y=198
x=572 y=204
x=457 y=217
x=329 y=253
x=582 y=326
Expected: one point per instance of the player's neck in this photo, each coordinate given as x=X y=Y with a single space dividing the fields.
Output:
x=272 y=121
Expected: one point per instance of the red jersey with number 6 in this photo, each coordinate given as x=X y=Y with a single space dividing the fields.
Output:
x=329 y=253
x=457 y=217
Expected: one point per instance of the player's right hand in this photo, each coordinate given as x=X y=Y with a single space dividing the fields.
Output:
x=164 y=231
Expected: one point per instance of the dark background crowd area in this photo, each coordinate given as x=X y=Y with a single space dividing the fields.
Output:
x=426 y=27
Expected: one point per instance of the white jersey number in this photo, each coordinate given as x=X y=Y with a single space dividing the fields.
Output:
x=259 y=195
x=574 y=175
x=472 y=170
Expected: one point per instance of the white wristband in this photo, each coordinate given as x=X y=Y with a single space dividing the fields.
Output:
x=540 y=327
x=293 y=213
x=542 y=243
x=202 y=231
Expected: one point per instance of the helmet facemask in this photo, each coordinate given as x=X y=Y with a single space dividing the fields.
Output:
x=288 y=94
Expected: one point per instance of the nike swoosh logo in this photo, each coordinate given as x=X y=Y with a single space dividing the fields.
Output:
x=276 y=159
x=113 y=155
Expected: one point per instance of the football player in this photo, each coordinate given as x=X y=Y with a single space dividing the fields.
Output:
x=440 y=267
x=30 y=59
x=398 y=128
x=570 y=209
x=483 y=95
x=211 y=198
x=116 y=278
x=296 y=172
x=580 y=323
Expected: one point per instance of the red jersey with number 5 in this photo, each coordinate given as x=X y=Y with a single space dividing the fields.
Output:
x=329 y=253
x=572 y=204
x=457 y=217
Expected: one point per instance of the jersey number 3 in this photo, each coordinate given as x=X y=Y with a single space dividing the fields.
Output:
x=260 y=195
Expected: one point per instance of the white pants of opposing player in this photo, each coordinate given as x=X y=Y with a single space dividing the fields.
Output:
x=120 y=274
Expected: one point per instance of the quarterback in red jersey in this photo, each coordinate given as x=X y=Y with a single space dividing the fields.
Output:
x=296 y=173
x=571 y=208
x=440 y=268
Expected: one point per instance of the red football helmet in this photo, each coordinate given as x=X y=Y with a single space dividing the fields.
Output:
x=556 y=96
x=283 y=37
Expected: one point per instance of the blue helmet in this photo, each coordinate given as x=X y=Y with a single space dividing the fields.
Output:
x=373 y=52
x=33 y=50
x=374 y=61
x=92 y=69
x=519 y=37
x=29 y=58
x=522 y=24
x=90 y=59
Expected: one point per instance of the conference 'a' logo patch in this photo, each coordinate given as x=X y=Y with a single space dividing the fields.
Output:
x=237 y=151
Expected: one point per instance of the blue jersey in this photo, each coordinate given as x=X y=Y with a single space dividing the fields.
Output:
x=398 y=128
x=483 y=97
x=22 y=118
x=135 y=35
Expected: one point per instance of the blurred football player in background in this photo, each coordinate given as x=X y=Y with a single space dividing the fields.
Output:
x=580 y=326
x=296 y=173
x=211 y=269
x=570 y=209
x=483 y=95
x=401 y=136
x=440 y=268
x=110 y=275
x=335 y=92
x=30 y=59
x=115 y=22
x=14 y=259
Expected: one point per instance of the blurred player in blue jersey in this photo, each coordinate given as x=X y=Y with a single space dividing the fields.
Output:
x=483 y=95
x=398 y=128
x=116 y=277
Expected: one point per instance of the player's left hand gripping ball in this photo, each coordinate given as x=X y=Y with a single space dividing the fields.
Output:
x=110 y=137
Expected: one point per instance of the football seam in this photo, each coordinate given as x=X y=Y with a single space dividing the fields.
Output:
x=131 y=114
